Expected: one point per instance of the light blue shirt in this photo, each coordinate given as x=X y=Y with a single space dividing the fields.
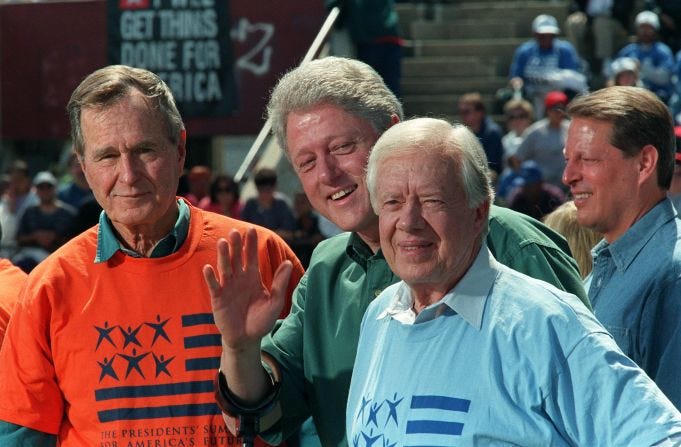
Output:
x=635 y=290
x=500 y=360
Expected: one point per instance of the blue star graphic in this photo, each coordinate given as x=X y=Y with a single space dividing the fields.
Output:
x=373 y=414
x=360 y=414
x=105 y=334
x=130 y=336
x=162 y=364
x=392 y=410
x=134 y=362
x=369 y=439
x=107 y=368
x=158 y=329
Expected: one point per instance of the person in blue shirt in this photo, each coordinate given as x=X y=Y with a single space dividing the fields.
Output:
x=619 y=157
x=546 y=63
x=494 y=357
x=655 y=58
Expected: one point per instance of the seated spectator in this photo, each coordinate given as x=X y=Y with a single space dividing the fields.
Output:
x=597 y=29
x=198 y=185
x=656 y=60
x=76 y=191
x=473 y=114
x=307 y=234
x=545 y=139
x=519 y=115
x=44 y=227
x=531 y=195
x=625 y=71
x=18 y=197
x=580 y=239
x=546 y=63
x=670 y=22
x=224 y=197
x=266 y=209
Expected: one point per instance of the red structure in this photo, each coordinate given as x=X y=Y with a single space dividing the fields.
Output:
x=47 y=48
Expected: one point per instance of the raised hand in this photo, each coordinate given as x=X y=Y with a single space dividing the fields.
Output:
x=243 y=308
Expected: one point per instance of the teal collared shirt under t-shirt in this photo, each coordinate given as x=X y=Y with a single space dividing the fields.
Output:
x=635 y=289
x=108 y=244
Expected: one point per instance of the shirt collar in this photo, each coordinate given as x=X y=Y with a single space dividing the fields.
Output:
x=359 y=251
x=108 y=244
x=467 y=298
x=626 y=247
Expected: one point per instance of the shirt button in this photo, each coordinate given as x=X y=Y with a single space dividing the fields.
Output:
x=377 y=292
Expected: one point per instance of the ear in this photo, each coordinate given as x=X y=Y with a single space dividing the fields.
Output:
x=394 y=119
x=482 y=214
x=647 y=166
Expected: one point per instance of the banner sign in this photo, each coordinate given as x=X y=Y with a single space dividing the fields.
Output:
x=186 y=42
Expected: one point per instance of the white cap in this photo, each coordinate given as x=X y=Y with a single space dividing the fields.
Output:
x=45 y=177
x=623 y=64
x=545 y=24
x=647 y=18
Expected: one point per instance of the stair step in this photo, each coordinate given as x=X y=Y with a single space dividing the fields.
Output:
x=431 y=85
x=520 y=13
x=462 y=29
x=452 y=66
x=438 y=105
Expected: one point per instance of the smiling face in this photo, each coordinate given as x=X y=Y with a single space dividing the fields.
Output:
x=602 y=181
x=429 y=235
x=132 y=165
x=328 y=148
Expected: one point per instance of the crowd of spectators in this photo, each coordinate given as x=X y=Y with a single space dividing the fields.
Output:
x=40 y=213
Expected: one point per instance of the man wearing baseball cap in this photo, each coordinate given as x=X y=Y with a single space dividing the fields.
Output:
x=655 y=58
x=546 y=63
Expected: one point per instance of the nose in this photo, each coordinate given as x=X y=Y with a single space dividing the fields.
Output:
x=327 y=168
x=570 y=173
x=411 y=217
x=128 y=168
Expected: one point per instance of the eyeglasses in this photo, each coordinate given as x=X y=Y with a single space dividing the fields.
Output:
x=45 y=186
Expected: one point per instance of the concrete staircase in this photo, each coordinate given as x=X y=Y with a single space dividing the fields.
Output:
x=457 y=47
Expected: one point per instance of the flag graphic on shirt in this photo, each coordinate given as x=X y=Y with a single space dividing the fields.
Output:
x=420 y=420
x=138 y=362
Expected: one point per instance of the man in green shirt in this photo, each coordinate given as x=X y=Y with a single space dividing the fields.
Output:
x=326 y=115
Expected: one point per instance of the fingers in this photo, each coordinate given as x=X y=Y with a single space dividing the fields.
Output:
x=224 y=263
x=235 y=250
x=211 y=280
x=280 y=283
x=251 y=247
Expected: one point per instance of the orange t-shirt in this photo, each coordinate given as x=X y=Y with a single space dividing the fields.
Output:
x=124 y=353
x=12 y=279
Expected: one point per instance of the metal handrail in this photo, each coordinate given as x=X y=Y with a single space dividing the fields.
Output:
x=264 y=133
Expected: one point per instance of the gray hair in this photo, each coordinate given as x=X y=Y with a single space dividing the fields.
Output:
x=347 y=83
x=108 y=85
x=452 y=142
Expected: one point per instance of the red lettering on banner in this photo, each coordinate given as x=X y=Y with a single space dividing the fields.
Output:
x=133 y=4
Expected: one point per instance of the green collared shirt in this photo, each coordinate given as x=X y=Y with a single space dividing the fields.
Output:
x=108 y=244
